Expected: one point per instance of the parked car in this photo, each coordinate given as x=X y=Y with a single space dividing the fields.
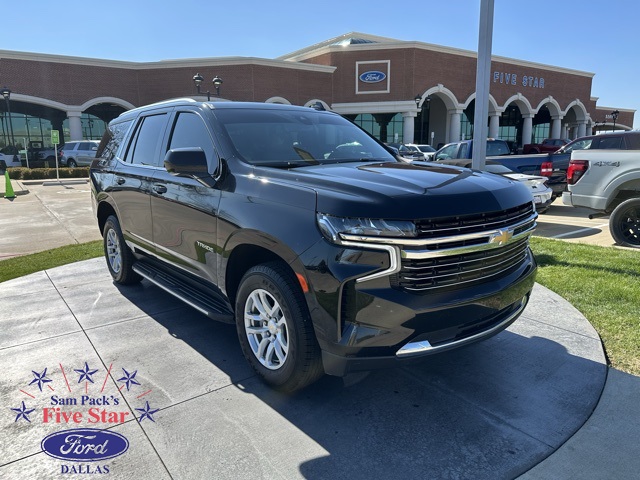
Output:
x=547 y=146
x=427 y=150
x=326 y=251
x=540 y=191
x=406 y=152
x=11 y=156
x=82 y=153
x=551 y=165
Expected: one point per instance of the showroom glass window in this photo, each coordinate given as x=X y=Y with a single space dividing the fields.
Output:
x=190 y=131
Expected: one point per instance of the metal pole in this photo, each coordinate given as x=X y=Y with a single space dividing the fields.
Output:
x=483 y=73
x=13 y=141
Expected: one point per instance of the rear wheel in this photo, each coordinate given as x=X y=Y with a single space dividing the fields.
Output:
x=624 y=223
x=275 y=329
x=71 y=163
x=119 y=258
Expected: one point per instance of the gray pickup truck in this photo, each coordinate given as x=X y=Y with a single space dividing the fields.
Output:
x=608 y=182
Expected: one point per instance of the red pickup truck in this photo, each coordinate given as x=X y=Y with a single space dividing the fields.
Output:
x=547 y=146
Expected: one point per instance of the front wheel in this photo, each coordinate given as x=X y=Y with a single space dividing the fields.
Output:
x=119 y=258
x=624 y=223
x=275 y=329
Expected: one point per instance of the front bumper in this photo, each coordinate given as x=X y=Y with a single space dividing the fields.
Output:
x=370 y=311
x=419 y=348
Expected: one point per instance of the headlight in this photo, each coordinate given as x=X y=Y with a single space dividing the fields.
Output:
x=332 y=227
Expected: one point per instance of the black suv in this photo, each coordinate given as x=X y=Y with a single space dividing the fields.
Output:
x=326 y=251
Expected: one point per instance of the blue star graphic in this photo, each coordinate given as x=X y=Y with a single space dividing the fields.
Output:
x=147 y=413
x=129 y=379
x=22 y=413
x=40 y=378
x=85 y=374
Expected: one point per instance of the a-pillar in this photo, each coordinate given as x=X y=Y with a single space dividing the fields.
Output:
x=556 y=127
x=454 y=125
x=408 y=123
x=75 y=125
x=494 y=125
x=582 y=128
x=527 y=128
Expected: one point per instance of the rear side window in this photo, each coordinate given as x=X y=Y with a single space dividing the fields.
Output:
x=143 y=149
x=111 y=140
x=607 y=143
x=497 y=148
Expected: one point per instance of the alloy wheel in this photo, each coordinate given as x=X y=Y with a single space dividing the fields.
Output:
x=266 y=329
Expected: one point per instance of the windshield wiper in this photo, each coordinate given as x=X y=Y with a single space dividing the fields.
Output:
x=288 y=164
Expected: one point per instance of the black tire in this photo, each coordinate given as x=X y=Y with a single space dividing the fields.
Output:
x=71 y=163
x=288 y=324
x=624 y=223
x=119 y=258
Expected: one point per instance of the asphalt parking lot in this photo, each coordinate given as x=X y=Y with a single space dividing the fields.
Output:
x=519 y=404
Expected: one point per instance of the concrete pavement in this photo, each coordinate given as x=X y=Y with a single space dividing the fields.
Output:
x=492 y=410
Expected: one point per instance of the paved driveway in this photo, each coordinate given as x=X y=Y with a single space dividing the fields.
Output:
x=491 y=410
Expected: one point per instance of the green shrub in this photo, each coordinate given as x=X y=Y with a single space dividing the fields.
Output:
x=22 y=173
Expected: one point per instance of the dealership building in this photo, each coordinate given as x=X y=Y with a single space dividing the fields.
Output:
x=400 y=91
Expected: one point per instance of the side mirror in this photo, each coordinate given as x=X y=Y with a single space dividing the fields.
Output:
x=188 y=162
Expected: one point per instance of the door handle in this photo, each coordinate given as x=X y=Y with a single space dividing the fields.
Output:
x=160 y=189
x=120 y=180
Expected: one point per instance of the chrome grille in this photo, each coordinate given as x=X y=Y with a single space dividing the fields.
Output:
x=465 y=224
x=458 y=271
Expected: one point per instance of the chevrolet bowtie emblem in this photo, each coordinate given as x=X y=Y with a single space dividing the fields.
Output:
x=501 y=237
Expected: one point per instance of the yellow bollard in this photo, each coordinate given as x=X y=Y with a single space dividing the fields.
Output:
x=8 y=191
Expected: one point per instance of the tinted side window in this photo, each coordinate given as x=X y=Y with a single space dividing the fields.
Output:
x=497 y=148
x=190 y=131
x=112 y=139
x=607 y=143
x=144 y=147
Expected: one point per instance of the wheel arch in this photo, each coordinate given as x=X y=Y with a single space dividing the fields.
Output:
x=622 y=188
x=249 y=254
x=104 y=211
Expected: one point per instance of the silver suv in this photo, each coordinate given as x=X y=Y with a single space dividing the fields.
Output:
x=79 y=153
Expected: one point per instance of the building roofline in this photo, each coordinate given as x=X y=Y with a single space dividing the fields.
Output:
x=162 y=64
x=384 y=43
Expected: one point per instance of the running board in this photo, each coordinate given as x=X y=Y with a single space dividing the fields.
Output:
x=204 y=302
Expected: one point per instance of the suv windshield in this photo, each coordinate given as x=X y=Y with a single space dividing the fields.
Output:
x=293 y=138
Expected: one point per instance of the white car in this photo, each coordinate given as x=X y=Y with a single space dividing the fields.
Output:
x=10 y=156
x=426 y=150
x=79 y=153
x=540 y=190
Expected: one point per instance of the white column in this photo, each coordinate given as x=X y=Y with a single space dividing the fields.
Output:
x=556 y=125
x=454 y=125
x=75 y=126
x=582 y=128
x=494 y=125
x=527 y=128
x=567 y=131
x=408 y=126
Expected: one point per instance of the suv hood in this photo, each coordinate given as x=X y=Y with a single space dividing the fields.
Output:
x=404 y=191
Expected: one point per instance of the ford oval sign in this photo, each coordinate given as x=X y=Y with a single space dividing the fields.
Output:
x=84 y=445
x=372 y=77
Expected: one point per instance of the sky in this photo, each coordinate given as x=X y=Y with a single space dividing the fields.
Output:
x=596 y=37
